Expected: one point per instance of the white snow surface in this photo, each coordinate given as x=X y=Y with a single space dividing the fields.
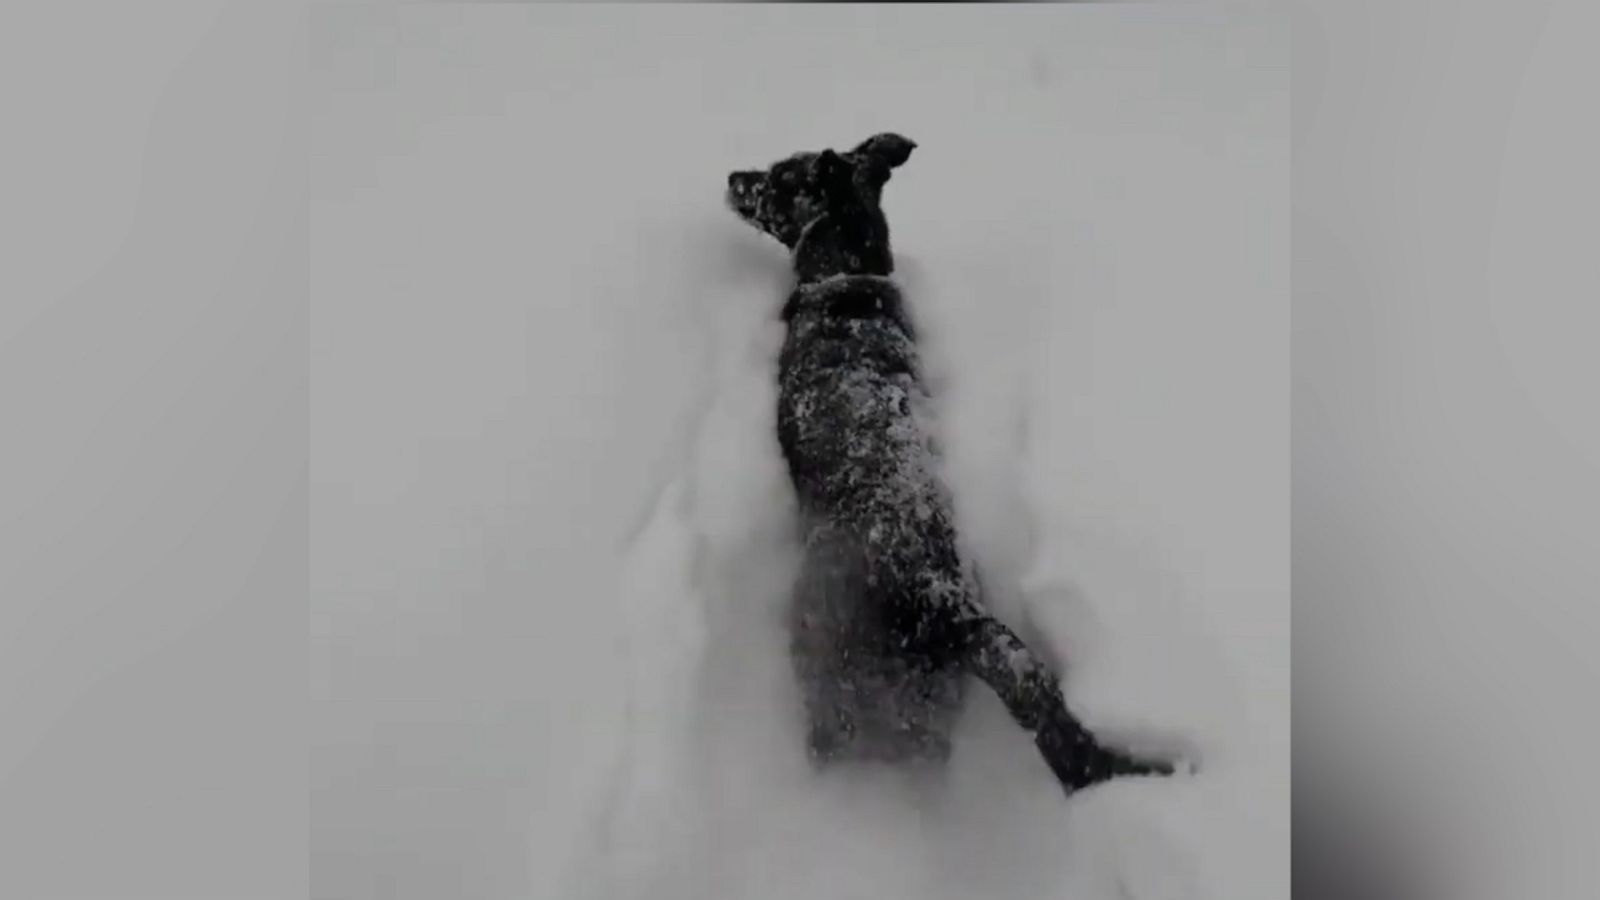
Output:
x=552 y=533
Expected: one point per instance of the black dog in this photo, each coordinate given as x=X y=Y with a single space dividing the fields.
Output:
x=886 y=621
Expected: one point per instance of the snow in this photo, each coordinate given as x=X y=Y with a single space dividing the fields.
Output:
x=552 y=533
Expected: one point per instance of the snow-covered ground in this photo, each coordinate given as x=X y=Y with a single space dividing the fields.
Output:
x=550 y=526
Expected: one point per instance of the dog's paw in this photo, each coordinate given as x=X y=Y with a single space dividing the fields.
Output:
x=1123 y=764
x=1114 y=764
x=1169 y=753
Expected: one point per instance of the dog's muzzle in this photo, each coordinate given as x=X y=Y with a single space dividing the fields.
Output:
x=744 y=192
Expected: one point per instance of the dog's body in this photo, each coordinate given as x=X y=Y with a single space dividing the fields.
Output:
x=881 y=677
x=886 y=620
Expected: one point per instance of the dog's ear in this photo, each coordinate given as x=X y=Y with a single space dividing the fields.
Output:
x=834 y=175
x=831 y=166
x=885 y=151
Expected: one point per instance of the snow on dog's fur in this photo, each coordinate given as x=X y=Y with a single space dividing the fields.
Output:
x=886 y=620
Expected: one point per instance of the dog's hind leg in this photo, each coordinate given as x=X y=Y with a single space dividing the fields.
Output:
x=826 y=643
x=866 y=696
x=1032 y=694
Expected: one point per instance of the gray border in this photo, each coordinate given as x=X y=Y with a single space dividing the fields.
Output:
x=155 y=396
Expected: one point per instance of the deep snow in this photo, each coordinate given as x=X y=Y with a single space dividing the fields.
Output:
x=551 y=531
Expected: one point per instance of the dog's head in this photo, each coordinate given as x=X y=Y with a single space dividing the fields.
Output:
x=794 y=192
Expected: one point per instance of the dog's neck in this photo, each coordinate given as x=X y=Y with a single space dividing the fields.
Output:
x=848 y=297
x=849 y=241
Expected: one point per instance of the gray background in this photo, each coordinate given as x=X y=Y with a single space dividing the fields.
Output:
x=154 y=397
x=1445 y=440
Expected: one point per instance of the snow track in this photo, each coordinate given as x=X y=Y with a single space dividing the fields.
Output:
x=713 y=797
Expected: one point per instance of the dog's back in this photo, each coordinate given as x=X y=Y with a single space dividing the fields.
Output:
x=881 y=677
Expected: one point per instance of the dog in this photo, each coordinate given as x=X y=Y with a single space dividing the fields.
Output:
x=886 y=623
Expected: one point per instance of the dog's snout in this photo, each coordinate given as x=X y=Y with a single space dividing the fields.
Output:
x=744 y=183
x=741 y=196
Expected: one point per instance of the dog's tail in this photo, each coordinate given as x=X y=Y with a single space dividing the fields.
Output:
x=1032 y=694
